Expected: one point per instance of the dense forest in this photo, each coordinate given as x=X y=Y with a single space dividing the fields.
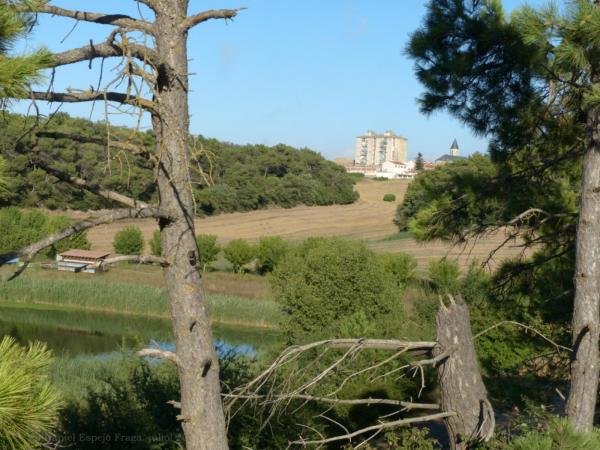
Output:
x=225 y=177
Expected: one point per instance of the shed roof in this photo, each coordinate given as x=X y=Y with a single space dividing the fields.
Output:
x=84 y=254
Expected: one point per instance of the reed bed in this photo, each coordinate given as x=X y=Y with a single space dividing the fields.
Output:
x=127 y=298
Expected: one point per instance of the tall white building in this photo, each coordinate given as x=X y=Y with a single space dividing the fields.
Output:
x=375 y=149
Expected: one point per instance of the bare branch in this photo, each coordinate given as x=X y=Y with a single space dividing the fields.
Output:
x=379 y=427
x=110 y=48
x=127 y=146
x=104 y=217
x=380 y=344
x=338 y=401
x=119 y=20
x=158 y=353
x=526 y=328
x=196 y=19
x=140 y=259
x=91 y=187
x=90 y=96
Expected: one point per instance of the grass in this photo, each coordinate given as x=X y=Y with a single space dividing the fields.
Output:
x=96 y=294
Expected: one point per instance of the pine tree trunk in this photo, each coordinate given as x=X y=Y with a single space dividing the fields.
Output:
x=585 y=363
x=201 y=408
x=459 y=376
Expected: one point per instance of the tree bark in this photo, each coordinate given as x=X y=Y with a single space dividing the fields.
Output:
x=202 y=414
x=459 y=376
x=585 y=363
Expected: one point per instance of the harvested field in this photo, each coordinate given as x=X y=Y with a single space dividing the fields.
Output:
x=369 y=219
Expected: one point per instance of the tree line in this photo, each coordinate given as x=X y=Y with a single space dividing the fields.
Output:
x=225 y=177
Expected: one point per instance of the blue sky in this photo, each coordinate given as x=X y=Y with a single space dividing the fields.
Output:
x=308 y=73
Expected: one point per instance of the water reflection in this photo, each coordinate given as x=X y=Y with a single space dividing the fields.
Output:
x=72 y=333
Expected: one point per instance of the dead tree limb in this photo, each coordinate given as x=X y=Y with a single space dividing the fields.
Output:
x=338 y=401
x=120 y=20
x=103 y=217
x=107 y=49
x=196 y=19
x=383 y=426
x=135 y=149
x=158 y=353
x=91 y=187
x=92 y=96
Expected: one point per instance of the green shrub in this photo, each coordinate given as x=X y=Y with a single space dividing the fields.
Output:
x=78 y=240
x=401 y=265
x=558 y=436
x=129 y=241
x=155 y=244
x=269 y=253
x=444 y=275
x=21 y=228
x=239 y=253
x=333 y=288
x=29 y=405
x=411 y=438
x=389 y=198
x=208 y=248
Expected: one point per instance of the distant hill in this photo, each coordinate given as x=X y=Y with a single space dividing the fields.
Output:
x=225 y=177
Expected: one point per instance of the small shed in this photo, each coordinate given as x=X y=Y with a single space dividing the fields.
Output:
x=81 y=260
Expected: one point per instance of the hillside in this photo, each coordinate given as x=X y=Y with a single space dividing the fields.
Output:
x=369 y=219
x=225 y=177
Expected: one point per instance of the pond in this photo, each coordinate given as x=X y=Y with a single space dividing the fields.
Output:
x=74 y=333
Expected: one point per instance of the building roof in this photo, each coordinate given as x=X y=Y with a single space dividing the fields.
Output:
x=454 y=145
x=389 y=134
x=449 y=158
x=84 y=254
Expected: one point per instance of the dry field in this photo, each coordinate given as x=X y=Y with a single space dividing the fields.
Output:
x=369 y=219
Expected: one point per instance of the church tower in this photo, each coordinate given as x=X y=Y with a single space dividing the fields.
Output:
x=454 y=148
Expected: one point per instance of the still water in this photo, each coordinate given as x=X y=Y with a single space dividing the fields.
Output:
x=74 y=333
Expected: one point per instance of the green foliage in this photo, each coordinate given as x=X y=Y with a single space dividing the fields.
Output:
x=130 y=403
x=208 y=248
x=17 y=72
x=444 y=274
x=401 y=265
x=411 y=438
x=155 y=244
x=558 y=436
x=334 y=288
x=78 y=240
x=29 y=405
x=21 y=228
x=389 y=198
x=269 y=253
x=239 y=253
x=129 y=241
x=440 y=203
x=4 y=182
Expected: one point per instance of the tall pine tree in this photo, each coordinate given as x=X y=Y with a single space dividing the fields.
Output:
x=531 y=83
